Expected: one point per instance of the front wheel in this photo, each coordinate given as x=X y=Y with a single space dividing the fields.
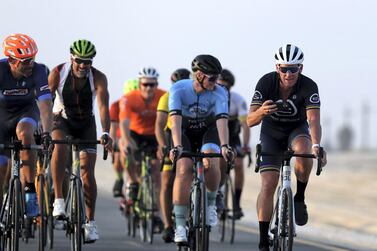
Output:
x=286 y=228
x=42 y=233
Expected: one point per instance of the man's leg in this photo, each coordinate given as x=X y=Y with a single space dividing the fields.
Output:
x=238 y=181
x=167 y=179
x=88 y=161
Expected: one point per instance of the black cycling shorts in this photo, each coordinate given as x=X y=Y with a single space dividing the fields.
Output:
x=146 y=142
x=193 y=141
x=277 y=145
x=79 y=129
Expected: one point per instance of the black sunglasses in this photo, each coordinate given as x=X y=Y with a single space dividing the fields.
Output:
x=211 y=78
x=291 y=69
x=149 y=84
x=83 y=61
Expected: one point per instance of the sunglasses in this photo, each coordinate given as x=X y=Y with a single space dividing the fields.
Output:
x=85 y=61
x=291 y=69
x=25 y=61
x=211 y=78
x=151 y=85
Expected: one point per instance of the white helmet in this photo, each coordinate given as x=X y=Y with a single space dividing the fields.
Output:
x=148 y=72
x=289 y=54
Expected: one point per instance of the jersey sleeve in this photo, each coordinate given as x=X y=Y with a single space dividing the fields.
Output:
x=114 y=112
x=124 y=109
x=40 y=78
x=175 y=102
x=260 y=93
x=312 y=100
x=222 y=104
x=163 y=103
x=242 y=109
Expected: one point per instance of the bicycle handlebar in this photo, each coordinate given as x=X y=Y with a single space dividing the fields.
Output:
x=17 y=144
x=78 y=142
x=288 y=155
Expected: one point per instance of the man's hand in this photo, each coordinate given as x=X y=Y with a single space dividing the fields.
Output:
x=46 y=142
x=268 y=107
x=175 y=152
x=228 y=152
x=107 y=141
x=315 y=151
x=161 y=151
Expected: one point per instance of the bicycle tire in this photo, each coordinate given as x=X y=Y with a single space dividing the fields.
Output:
x=15 y=217
x=42 y=214
x=227 y=219
x=149 y=203
x=50 y=219
x=286 y=223
x=141 y=204
x=76 y=218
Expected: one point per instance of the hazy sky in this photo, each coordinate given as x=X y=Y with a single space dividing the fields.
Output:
x=338 y=38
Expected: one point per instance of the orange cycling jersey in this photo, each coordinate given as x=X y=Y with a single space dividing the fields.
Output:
x=142 y=115
x=114 y=115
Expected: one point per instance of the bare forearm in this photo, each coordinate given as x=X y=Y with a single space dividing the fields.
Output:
x=176 y=129
x=223 y=131
x=315 y=131
x=125 y=130
x=105 y=119
x=245 y=133
x=113 y=130
x=254 y=117
x=46 y=115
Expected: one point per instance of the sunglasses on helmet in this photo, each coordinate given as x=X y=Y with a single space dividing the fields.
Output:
x=291 y=69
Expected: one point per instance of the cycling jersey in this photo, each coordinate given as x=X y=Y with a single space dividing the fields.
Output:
x=71 y=102
x=304 y=96
x=163 y=106
x=238 y=107
x=142 y=115
x=198 y=110
x=19 y=95
x=114 y=115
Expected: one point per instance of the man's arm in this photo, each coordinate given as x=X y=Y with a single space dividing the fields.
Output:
x=113 y=130
x=245 y=133
x=257 y=112
x=103 y=101
x=45 y=108
x=223 y=131
x=176 y=126
x=53 y=81
x=161 y=120
x=314 y=120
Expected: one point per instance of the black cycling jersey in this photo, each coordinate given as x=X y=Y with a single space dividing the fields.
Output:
x=303 y=97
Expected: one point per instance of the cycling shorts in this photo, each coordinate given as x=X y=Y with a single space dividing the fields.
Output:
x=79 y=129
x=278 y=145
x=197 y=141
x=146 y=142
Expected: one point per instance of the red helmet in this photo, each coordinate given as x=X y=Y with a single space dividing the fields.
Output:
x=19 y=46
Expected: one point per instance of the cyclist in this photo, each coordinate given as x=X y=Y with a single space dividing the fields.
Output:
x=237 y=120
x=137 y=119
x=198 y=111
x=295 y=123
x=163 y=136
x=130 y=85
x=22 y=82
x=76 y=84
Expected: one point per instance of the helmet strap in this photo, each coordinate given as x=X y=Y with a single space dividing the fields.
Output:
x=201 y=83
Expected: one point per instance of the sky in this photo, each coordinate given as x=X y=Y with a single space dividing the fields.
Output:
x=338 y=38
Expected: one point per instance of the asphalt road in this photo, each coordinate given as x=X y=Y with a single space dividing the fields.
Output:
x=113 y=236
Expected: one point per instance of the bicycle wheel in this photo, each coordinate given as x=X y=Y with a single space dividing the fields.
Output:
x=49 y=198
x=76 y=217
x=202 y=232
x=42 y=226
x=286 y=227
x=227 y=220
x=15 y=219
x=149 y=209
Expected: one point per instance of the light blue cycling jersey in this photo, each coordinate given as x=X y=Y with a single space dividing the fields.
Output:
x=198 y=110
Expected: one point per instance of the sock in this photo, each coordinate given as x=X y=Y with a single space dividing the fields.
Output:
x=29 y=188
x=300 y=194
x=119 y=175
x=211 y=198
x=238 y=197
x=263 y=233
x=180 y=212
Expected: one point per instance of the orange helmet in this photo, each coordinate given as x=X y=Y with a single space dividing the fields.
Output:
x=19 y=46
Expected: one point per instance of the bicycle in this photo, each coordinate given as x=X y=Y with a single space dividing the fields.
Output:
x=198 y=229
x=282 y=228
x=13 y=209
x=75 y=202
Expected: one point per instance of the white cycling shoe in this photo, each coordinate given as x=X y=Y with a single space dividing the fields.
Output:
x=90 y=232
x=180 y=234
x=212 y=216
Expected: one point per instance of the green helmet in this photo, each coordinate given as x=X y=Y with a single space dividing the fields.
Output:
x=130 y=85
x=83 y=48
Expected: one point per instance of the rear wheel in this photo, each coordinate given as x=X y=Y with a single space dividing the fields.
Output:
x=76 y=219
x=15 y=219
x=227 y=219
x=42 y=226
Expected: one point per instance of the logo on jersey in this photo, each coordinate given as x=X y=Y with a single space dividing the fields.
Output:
x=44 y=88
x=198 y=109
x=257 y=96
x=16 y=92
x=314 y=98
x=289 y=110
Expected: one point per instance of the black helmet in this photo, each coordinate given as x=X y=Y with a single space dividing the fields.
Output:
x=227 y=76
x=181 y=73
x=207 y=64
